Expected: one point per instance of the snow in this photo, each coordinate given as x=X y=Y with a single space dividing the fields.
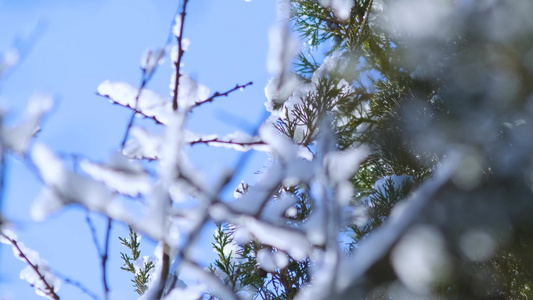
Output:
x=270 y=262
x=193 y=292
x=46 y=203
x=150 y=59
x=19 y=136
x=315 y=229
x=279 y=144
x=282 y=49
x=291 y=212
x=371 y=250
x=176 y=28
x=51 y=168
x=150 y=104
x=216 y=287
x=156 y=222
x=11 y=57
x=185 y=43
x=189 y=91
x=148 y=145
x=420 y=18
x=240 y=190
x=277 y=90
x=275 y=209
x=255 y=198
x=238 y=141
x=420 y=259
x=293 y=241
x=143 y=145
x=341 y=165
x=10 y=234
x=344 y=193
x=65 y=187
x=120 y=174
x=478 y=245
x=141 y=262
x=341 y=8
x=397 y=181
x=336 y=63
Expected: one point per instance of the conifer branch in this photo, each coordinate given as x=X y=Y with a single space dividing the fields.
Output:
x=141 y=276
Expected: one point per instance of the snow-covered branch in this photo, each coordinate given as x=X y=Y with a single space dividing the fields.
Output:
x=37 y=273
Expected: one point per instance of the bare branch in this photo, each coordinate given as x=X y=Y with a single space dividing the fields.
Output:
x=165 y=267
x=135 y=110
x=93 y=231
x=104 y=258
x=180 y=55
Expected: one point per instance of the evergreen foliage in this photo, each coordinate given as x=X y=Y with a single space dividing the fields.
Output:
x=141 y=275
x=399 y=105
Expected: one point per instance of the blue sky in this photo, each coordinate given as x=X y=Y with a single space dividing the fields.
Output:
x=86 y=42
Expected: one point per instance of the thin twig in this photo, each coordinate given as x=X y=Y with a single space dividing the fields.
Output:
x=93 y=230
x=180 y=55
x=137 y=111
x=217 y=94
x=77 y=284
x=49 y=289
x=104 y=258
x=216 y=140
x=132 y=118
x=2 y=179
x=22 y=48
